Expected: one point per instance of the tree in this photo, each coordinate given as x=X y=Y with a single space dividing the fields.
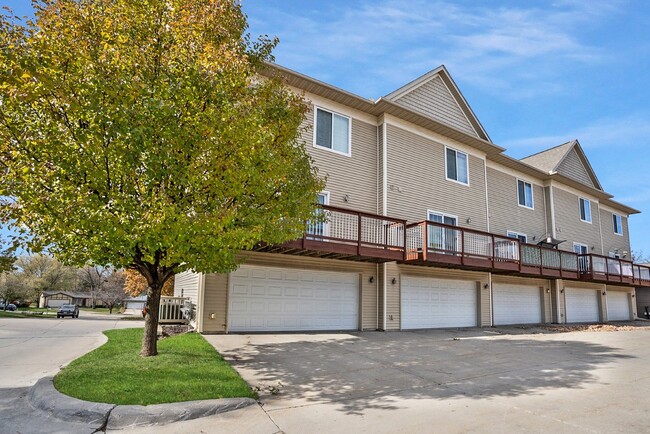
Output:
x=38 y=273
x=136 y=284
x=92 y=279
x=638 y=257
x=11 y=289
x=111 y=292
x=141 y=134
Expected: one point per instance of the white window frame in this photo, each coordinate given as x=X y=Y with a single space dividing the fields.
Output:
x=466 y=164
x=333 y=113
x=620 y=223
x=325 y=224
x=510 y=234
x=586 y=248
x=443 y=234
x=532 y=194
x=587 y=202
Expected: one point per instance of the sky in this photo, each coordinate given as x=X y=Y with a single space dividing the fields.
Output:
x=536 y=73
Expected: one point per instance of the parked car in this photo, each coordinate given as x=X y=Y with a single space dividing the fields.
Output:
x=71 y=310
x=10 y=307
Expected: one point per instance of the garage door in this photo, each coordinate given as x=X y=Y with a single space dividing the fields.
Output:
x=279 y=299
x=516 y=304
x=618 y=306
x=582 y=305
x=437 y=303
x=56 y=302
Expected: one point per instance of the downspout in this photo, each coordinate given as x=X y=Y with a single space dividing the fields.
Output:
x=384 y=163
x=600 y=227
x=553 y=231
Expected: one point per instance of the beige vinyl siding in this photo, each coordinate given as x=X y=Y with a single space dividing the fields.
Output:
x=573 y=168
x=505 y=212
x=417 y=183
x=354 y=176
x=434 y=100
x=545 y=291
x=186 y=284
x=380 y=170
x=568 y=225
x=216 y=286
x=612 y=241
x=397 y=272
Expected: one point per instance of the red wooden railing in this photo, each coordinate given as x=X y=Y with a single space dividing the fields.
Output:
x=354 y=234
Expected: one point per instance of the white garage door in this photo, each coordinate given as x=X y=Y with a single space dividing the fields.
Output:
x=516 y=304
x=280 y=299
x=582 y=305
x=618 y=306
x=51 y=302
x=436 y=303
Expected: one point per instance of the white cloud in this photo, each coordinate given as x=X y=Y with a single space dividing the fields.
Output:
x=632 y=131
x=495 y=48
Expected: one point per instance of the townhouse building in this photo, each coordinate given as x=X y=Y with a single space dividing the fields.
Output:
x=429 y=224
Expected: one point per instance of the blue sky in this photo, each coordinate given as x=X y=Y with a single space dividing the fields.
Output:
x=536 y=73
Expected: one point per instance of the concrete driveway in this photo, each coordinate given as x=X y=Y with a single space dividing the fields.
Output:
x=480 y=380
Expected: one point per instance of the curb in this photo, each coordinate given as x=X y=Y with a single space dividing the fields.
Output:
x=43 y=396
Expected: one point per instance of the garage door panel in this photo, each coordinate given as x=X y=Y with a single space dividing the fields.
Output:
x=304 y=300
x=618 y=306
x=437 y=303
x=516 y=304
x=582 y=305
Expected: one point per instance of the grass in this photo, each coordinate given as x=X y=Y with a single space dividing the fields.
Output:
x=116 y=311
x=186 y=368
x=8 y=314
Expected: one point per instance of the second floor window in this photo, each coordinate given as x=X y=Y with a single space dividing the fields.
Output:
x=585 y=210
x=332 y=131
x=525 y=193
x=457 y=169
x=521 y=237
x=618 y=224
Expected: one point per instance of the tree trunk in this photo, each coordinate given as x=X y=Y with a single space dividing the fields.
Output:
x=150 y=338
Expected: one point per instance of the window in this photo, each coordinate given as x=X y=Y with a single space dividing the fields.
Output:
x=319 y=228
x=521 y=237
x=442 y=238
x=332 y=131
x=585 y=210
x=525 y=193
x=457 y=166
x=618 y=224
x=580 y=249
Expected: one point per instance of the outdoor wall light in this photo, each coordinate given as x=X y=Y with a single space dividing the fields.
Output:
x=469 y=220
x=372 y=279
x=562 y=290
x=346 y=198
x=593 y=248
x=394 y=281
x=604 y=293
x=486 y=286
x=632 y=295
x=548 y=290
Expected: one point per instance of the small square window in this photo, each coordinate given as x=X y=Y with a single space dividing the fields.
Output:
x=332 y=131
x=618 y=224
x=525 y=194
x=457 y=168
x=585 y=210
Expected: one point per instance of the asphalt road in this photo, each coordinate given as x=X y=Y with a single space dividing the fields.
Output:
x=32 y=348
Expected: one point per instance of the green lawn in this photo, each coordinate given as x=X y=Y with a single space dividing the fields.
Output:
x=116 y=311
x=186 y=368
x=28 y=313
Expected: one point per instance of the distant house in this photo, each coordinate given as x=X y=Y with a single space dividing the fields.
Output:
x=135 y=305
x=59 y=298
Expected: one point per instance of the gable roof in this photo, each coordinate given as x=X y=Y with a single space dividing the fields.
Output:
x=435 y=94
x=567 y=159
x=71 y=294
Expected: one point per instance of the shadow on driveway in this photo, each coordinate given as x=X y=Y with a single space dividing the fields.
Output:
x=375 y=370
